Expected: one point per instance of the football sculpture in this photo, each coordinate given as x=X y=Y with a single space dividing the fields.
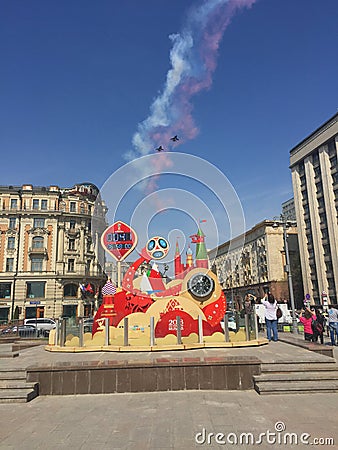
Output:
x=195 y=291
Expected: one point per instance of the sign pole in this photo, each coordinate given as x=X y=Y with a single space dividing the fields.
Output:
x=118 y=273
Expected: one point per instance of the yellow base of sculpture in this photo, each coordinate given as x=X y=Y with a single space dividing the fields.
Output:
x=137 y=343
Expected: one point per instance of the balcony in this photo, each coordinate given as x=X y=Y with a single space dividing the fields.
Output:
x=38 y=251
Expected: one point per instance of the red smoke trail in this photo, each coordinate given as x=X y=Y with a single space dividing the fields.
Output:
x=193 y=62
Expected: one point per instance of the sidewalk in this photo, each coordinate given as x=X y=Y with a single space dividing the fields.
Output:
x=164 y=419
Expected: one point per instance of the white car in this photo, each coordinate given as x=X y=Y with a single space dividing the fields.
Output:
x=42 y=324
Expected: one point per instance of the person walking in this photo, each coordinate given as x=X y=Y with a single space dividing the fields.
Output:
x=306 y=317
x=333 y=324
x=270 y=316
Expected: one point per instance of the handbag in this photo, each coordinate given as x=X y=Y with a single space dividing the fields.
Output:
x=279 y=313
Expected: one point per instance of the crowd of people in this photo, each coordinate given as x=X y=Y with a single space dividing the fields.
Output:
x=315 y=320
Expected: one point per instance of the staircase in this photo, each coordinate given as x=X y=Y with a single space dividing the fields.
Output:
x=14 y=388
x=297 y=378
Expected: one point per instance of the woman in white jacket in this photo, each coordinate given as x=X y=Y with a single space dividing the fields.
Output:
x=270 y=316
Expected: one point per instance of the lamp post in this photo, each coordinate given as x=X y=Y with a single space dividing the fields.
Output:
x=287 y=224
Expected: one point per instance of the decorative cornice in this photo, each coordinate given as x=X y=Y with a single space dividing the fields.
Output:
x=38 y=231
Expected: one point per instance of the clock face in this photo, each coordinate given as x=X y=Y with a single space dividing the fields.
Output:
x=200 y=285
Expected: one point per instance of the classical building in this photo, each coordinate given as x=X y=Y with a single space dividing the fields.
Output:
x=256 y=261
x=48 y=266
x=313 y=164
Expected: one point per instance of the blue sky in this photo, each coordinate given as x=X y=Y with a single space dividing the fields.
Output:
x=77 y=77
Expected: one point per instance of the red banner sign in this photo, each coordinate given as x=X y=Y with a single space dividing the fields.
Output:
x=119 y=240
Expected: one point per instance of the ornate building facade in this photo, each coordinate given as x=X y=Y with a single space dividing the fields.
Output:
x=256 y=262
x=48 y=252
x=314 y=168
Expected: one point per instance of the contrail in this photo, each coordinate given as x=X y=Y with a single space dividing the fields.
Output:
x=193 y=60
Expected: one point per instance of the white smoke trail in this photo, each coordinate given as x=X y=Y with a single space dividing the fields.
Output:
x=193 y=61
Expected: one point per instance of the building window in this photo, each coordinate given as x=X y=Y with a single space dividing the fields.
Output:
x=44 y=204
x=319 y=187
x=39 y=223
x=315 y=158
x=88 y=266
x=71 y=265
x=70 y=290
x=36 y=289
x=35 y=204
x=71 y=245
x=12 y=223
x=9 y=264
x=72 y=224
x=335 y=178
x=36 y=264
x=82 y=208
x=72 y=207
x=14 y=203
x=37 y=242
x=5 y=290
x=317 y=172
x=11 y=243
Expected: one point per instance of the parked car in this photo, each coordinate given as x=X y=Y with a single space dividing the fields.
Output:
x=42 y=324
x=22 y=331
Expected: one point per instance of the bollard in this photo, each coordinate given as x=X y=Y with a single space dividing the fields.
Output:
x=125 y=331
x=106 y=331
x=200 y=330
x=81 y=331
x=57 y=332
x=226 y=328
x=179 y=330
x=152 y=331
x=255 y=324
x=63 y=332
x=247 y=327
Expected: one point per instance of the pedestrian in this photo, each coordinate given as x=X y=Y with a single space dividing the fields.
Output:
x=270 y=316
x=333 y=323
x=306 y=317
x=249 y=308
x=318 y=331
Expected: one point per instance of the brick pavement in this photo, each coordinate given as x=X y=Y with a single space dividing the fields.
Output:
x=166 y=419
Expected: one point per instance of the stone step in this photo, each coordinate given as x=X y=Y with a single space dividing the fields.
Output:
x=297 y=376
x=9 y=354
x=13 y=374
x=17 y=384
x=17 y=395
x=299 y=367
x=300 y=387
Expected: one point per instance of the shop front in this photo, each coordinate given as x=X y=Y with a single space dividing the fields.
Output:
x=34 y=309
x=70 y=310
x=4 y=313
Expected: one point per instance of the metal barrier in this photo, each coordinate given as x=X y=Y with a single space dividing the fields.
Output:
x=125 y=332
x=179 y=330
x=152 y=331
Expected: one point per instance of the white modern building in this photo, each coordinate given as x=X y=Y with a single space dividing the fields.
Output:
x=313 y=164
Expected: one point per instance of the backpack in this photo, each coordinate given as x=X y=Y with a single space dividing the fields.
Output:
x=317 y=327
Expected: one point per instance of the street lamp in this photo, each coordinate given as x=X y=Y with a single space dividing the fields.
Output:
x=282 y=220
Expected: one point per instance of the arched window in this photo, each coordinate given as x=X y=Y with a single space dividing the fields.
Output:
x=70 y=290
x=37 y=242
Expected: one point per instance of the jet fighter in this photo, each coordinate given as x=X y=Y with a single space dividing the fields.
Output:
x=160 y=148
x=174 y=138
